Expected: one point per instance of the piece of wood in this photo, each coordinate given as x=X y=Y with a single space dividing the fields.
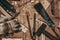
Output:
x=56 y=14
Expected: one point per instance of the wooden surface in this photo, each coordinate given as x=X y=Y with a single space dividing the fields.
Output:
x=28 y=8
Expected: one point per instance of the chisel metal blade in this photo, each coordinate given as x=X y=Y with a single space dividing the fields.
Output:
x=8 y=6
x=39 y=8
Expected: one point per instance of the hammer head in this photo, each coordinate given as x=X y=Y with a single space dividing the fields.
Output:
x=41 y=30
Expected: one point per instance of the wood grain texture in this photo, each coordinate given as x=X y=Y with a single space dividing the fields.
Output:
x=30 y=9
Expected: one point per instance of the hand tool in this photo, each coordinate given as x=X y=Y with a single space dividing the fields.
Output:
x=40 y=9
x=52 y=7
x=41 y=30
x=7 y=6
x=34 y=27
x=29 y=26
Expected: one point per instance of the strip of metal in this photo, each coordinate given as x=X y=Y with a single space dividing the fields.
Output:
x=29 y=26
x=34 y=27
x=52 y=7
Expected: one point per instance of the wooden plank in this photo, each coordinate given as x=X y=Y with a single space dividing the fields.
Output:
x=56 y=14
